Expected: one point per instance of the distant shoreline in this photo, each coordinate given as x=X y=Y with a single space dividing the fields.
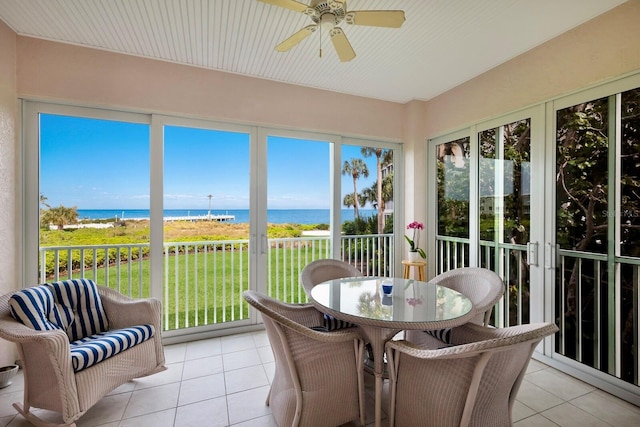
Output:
x=274 y=216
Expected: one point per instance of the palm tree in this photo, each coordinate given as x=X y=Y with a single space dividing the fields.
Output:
x=370 y=195
x=43 y=200
x=348 y=200
x=383 y=156
x=355 y=168
x=60 y=216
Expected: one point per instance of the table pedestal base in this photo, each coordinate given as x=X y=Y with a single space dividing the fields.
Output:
x=377 y=337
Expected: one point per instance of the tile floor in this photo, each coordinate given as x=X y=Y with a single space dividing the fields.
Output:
x=224 y=382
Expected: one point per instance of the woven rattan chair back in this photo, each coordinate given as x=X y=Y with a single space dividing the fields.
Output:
x=325 y=269
x=318 y=378
x=482 y=286
x=473 y=383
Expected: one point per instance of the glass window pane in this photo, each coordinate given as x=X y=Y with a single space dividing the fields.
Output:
x=367 y=208
x=582 y=146
x=629 y=215
x=206 y=226
x=453 y=188
x=92 y=172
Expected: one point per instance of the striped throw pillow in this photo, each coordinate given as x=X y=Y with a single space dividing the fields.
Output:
x=80 y=307
x=35 y=307
x=95 y=348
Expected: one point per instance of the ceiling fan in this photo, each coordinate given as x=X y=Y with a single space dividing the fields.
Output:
x=327 y=14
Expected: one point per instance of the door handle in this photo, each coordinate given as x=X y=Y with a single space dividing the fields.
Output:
x=550 y=257
x=532 y=253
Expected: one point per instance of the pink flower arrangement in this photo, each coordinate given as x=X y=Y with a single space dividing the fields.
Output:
x=413 y=242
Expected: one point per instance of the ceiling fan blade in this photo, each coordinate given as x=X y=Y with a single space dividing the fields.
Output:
x=341 y=44
x=296 y=38
x=288 y=4
x=376 y=18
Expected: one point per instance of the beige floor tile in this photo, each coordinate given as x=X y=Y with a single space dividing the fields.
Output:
x=239 y=342
x=209 y=413
x=46 y=416
x=241 y=359
x=175 y=353
x=153 y=399
x=567 y=415
x=172 y=374
x=614 y=411
x=108 y=409
x=535 y=421
x=247 y=405
x=521 y=411
x=266 y=354
x=201 y=367
x=201 y=388
x=534 y=366
x=245 y=379
x=265 y=421
x=261 y=339
x=559 y=384
x=156 y=419
x=536 y=397
x=270 y=369
x=124 y=388
x=203 y=348
x=7 y=399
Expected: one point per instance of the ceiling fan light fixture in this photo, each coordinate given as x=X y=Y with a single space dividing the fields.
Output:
x=327 y=14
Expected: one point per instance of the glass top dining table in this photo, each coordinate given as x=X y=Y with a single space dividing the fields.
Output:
x=411 y=304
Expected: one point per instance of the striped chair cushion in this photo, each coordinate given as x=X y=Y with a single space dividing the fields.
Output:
x=333 y=324
x=35 y=307
x=95 y=348
x=80 y=307
x=443 y=335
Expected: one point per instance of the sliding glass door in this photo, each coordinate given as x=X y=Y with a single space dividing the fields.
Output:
x=206 y=224
x=596 y=240
x=490 y=198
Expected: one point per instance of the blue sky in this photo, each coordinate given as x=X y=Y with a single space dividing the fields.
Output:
x=99 y=164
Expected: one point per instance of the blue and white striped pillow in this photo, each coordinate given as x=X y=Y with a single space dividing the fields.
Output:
x=35 y=307
x=93 y=349
x=443 y=335
x=333 y=324
x=80 y=307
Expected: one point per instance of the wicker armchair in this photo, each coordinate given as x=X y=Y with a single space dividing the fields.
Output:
x=318 y=379
x=482 y=286
x=473 y=383
x=325 y=269
x=51 y=376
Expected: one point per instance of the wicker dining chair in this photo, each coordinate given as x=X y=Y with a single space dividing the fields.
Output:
x=321 y=270
x=482 y=286
x=318 y=378
x=473 y=383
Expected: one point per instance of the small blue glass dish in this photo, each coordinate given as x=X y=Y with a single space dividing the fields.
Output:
x=387 y=287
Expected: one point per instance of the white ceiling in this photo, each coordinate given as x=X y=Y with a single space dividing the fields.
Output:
x=442 y=44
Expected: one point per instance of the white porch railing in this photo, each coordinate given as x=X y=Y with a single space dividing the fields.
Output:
x=204 y=280
x=597 y=301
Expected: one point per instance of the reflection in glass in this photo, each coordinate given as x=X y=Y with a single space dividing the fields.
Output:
x=453 y=188
x=504 y=181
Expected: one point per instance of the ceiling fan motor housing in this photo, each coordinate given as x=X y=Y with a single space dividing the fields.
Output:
x=328 y=14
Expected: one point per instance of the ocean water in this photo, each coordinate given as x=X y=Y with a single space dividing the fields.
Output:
x=274 y=216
